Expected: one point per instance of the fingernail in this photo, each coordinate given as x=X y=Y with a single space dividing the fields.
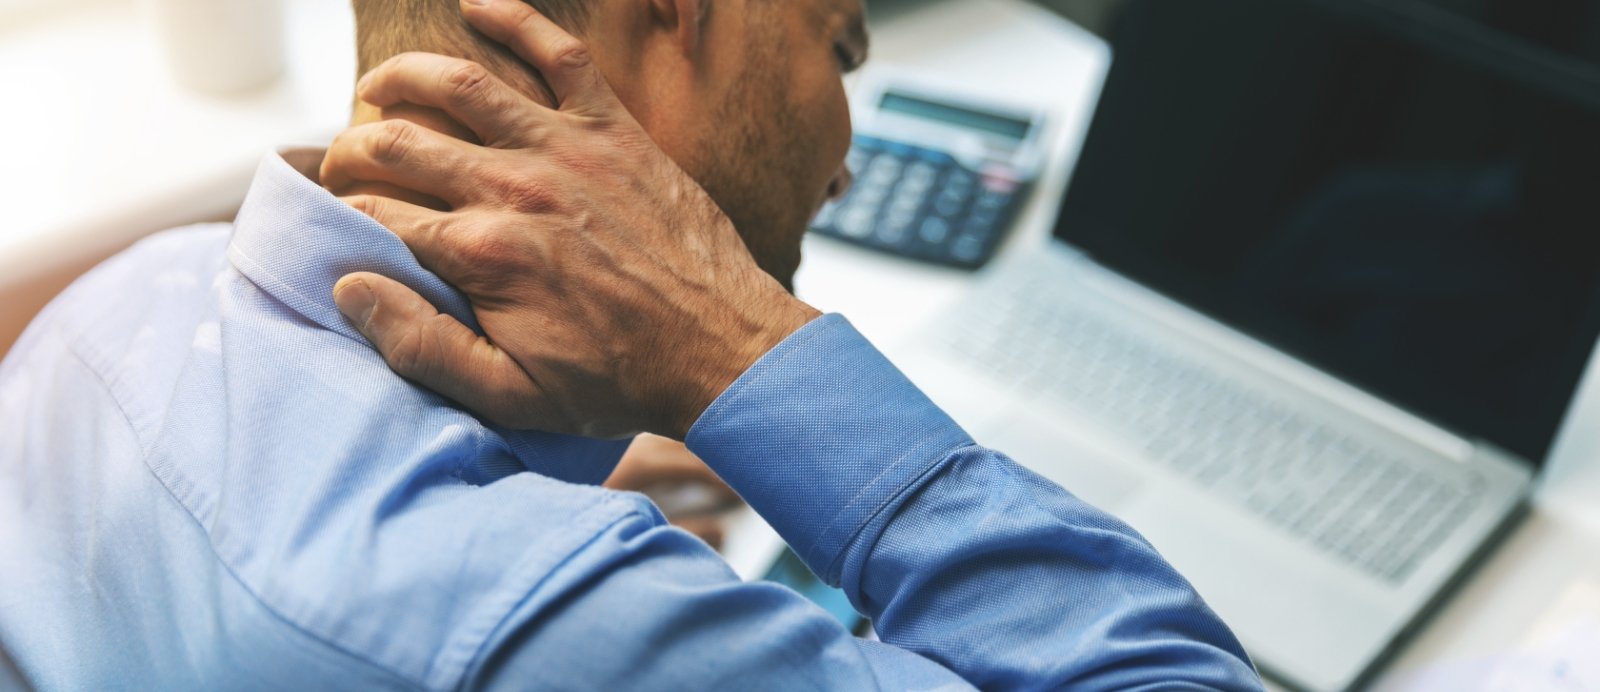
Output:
x=479 y=3
x=356 y=300
x=361 y=84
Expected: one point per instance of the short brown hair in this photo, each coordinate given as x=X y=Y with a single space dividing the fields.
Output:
x=385 y=28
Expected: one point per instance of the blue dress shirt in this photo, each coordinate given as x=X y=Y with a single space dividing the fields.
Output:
x=208 y=480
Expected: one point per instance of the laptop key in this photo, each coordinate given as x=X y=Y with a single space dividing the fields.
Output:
x=1364 y=507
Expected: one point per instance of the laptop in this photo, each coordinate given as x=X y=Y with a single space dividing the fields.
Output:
x=1322 y=288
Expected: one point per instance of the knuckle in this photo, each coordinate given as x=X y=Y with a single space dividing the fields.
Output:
x=409 y=354
x=340 y=148
x=482 y=253
x=366 y=204
x=570 y=53
x=468 y=84
x=392 y=141
x=531 y=199
x=435 y=227
x=526 y=196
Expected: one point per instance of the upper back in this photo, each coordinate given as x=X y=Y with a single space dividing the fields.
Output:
x=202 y=487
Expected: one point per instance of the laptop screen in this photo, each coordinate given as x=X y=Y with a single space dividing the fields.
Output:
x=1402 y=193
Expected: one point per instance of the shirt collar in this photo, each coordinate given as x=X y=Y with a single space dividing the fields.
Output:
x=294 y=240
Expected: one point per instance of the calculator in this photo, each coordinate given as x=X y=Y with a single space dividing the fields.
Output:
x=939 y=176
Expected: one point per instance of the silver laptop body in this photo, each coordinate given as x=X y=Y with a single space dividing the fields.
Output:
x=1316 y=519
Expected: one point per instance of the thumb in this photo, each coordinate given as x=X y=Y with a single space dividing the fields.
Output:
x=436 y=351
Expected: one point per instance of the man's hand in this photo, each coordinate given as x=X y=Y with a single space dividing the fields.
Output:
x=615 y=295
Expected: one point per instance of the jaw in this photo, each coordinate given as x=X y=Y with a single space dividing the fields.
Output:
x=782 y=259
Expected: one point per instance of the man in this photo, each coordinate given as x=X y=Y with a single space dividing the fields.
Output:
x=210 y=481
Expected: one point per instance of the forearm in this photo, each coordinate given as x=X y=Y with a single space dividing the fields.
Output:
x=953 y=550
x=1003 y=577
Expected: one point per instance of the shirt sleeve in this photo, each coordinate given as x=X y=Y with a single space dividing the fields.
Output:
x=974 y=571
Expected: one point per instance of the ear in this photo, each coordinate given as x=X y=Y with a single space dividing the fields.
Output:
x=684 y=17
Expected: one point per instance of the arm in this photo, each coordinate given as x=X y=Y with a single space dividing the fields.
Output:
x=974 y=570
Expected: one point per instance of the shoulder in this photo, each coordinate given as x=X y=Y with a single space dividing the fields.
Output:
x=160 y=256
x=134 y=287
x=124 y=298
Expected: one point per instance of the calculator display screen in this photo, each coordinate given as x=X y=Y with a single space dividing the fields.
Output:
x=1010 y=128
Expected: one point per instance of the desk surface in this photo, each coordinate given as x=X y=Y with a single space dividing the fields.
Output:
x=115 y=145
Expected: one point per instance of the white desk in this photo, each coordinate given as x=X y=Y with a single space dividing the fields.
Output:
x=112 y=148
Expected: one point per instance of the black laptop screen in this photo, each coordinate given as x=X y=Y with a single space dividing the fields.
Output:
x=1407 y=197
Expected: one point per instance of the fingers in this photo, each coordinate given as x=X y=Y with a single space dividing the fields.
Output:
x=425 y=231
x=435 y=350
x=406 y=155
x=468 y=92
x=564 y=60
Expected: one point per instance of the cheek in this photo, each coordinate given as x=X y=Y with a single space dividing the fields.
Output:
x=840 y=128
x=825 y=141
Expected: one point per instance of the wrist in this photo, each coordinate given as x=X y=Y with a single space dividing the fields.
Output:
x=757 y=324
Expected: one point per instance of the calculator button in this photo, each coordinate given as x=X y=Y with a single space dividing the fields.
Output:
x=857 y=222
x=967 y=248
x=934 y=230
x=911 y=196
x=922 y=174
x=903 y=211
x=884 y=171
x=906 y=202
x=870 y=203
x=857 y=159
x=982 y=219
x=993 y=200
x=894 y=230
x=916 y=186
x=886 y=161
x=948 y=204
x=825 y=215
x=870 y=193
x=961 y=183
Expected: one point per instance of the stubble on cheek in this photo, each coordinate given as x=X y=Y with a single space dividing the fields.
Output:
x=762 y=172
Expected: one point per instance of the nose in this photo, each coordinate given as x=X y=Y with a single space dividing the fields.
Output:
x=841 y=183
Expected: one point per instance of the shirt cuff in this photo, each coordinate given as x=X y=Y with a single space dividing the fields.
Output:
x=821 y=435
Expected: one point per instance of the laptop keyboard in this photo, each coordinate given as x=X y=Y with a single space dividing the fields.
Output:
x=1355 y=501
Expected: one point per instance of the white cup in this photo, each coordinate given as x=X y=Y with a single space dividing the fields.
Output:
x=221 y=46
